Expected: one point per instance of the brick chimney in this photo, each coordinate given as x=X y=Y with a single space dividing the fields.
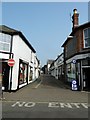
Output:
x=75 y=19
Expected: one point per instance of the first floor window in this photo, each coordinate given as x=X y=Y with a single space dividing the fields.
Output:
x=5 y=41
x=87 y=38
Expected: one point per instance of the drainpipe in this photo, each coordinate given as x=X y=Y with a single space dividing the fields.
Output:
x=81 y=77
x=10 y=57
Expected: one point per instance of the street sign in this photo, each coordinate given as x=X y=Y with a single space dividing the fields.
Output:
x=74 y=85
x=74 y=61
x=11 y=62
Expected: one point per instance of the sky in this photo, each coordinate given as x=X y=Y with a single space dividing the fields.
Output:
x=46 y=25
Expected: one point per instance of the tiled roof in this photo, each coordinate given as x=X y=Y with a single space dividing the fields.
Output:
x=8 y=30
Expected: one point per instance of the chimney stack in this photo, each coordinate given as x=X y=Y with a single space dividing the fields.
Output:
x=75 y=19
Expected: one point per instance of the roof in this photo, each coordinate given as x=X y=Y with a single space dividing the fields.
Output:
x=72 y=33
x=58 y=56
x=49 y=61
x=10 y=31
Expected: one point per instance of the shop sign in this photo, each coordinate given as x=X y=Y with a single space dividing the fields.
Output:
x=11 y=62
x=74 y=61
x=74 y=85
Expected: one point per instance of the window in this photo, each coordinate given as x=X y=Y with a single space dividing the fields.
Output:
x=23 y=75
x=66 y=52
x=5 y=41
x=87 y=37
x=71 y=72
x=30 y=73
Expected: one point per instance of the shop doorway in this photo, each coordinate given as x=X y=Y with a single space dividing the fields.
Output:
x=4 y=75
x=86 y=78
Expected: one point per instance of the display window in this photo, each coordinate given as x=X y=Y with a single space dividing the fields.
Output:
x=0 y=72
x=23 y=72
x=30 y=74
x=71 y=72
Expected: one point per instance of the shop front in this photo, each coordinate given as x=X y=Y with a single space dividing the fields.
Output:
x=23 y=73
x=86 y=74
x=79 y=70
x=4 y=74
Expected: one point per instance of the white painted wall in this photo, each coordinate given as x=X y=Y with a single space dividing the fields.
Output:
x=55 y=69
x=21 y=51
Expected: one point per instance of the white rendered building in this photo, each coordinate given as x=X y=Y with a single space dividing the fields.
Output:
x=14 y=45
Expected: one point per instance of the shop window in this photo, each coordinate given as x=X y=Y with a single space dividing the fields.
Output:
x=71 y=72
x=23 y=76
x=0 y=72
x=30 y=73
x=87 y=38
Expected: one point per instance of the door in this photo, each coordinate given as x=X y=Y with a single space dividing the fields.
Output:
x=5 y=75
x=86 y=78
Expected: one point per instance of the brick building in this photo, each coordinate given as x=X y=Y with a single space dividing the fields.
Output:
x=77 y=54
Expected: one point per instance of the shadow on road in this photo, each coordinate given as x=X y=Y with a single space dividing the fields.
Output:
x=51 y=81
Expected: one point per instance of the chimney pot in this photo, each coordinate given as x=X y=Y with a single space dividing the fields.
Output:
x=75 y=19
x=75 y=11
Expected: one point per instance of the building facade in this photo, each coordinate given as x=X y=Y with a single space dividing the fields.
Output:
x=77 y=54
x=49 y=62
x=14 y=45
x=57 y=67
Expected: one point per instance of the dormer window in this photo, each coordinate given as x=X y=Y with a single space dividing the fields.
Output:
x=87 y=38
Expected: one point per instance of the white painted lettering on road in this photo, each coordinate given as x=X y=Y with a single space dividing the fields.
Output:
x=85 y=105
x=76 y=105
x=30 y=104
x=53 y=104
x=19 y=104
x=62 y=105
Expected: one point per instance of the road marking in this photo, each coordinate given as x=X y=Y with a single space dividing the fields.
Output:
x=21 y=104
x=30 y=104
x=65 y=105
x=51 y=104
x=38 y=84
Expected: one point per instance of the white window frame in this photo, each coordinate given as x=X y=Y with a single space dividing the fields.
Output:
x=7 y=44
x=86 y=38
x=4 y=42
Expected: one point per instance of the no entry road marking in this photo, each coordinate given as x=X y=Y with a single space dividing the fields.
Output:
x=51 y=105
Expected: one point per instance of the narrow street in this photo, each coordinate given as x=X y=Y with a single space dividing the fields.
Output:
x=45 y=98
